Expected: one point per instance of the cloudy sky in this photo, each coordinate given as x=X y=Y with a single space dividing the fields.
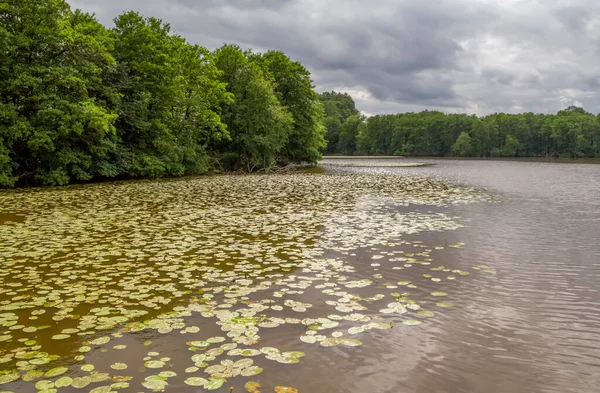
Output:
x=474 y=56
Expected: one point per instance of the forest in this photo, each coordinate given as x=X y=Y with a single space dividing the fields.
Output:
x=80 y=102
x=571 y=133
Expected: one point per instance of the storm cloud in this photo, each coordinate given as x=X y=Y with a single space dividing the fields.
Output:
x=473 y=56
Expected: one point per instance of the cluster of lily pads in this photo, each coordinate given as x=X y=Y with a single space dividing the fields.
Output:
x=93 y=273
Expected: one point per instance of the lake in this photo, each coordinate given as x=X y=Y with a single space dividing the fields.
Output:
x=362 y=276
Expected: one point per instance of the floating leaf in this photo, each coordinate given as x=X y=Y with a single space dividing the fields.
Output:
x=44 y=385
x=251 y=371
x=81 y=382
x=32 y=375
x=308 y=339
x=285 y=389
x=101 y=340
x=439 y=294
x=101 y=389
x=155 y=384
x=7 y=378
x=252 y=386
x=119 y=385
x=63 y=382
x=154 y=364
x=56 y=371
x=118 y=366
x=351 y=342
x=196 y=381
x=214 y=383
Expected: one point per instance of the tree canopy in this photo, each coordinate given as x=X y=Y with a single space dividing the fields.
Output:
x=570 y=133
x=80 y=101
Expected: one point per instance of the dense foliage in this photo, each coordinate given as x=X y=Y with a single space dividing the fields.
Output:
x=571 y=133
x=79 y=101
x=342 y=121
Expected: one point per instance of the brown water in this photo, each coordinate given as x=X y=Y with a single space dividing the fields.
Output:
x=153 y=266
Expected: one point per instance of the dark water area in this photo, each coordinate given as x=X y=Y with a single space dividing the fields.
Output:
x=459 y=276
x=536 y=326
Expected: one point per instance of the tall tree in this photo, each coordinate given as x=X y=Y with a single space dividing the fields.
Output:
x=348 y=134
x=462 y=146
x=257 y=122
x=338 y=107
x=54 y=125
x=295 y=91
x=171 y=96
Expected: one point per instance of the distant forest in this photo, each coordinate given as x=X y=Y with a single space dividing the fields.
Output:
x=571 y=133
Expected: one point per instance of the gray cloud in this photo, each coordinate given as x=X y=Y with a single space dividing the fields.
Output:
x=474 y=56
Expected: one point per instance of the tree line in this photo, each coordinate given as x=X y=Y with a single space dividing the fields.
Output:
x=571 y=133
x=80 y=101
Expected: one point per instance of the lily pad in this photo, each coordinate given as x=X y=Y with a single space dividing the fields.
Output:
x=251 y=371
x=7 y=378
x=439 y=294
x=196 y=381
x=214 y=383
x=56 y=372
x=101 y=389
x=285 y=389
x=252 y=387
x=81 y=382
x=118 y=366
x=63 y=382
x=154 y=364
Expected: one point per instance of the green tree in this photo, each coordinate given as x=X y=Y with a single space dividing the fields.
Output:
x=462 y=146
x=348 y=134
x=257 y=122
x=171 y=96
x=512 y=146
x=55 y=125
x=338 y=107
x=295 y=91
x=334 y=127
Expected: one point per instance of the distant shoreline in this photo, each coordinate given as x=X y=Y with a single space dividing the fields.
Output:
x=516 y=159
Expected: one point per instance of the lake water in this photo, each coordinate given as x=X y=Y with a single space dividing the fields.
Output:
x=369 y=276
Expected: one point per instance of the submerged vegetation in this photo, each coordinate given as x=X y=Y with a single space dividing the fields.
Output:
x=571 y=133
x=79 y=101
x=103 y=285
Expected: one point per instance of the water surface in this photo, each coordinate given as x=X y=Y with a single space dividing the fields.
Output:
x=463 y=276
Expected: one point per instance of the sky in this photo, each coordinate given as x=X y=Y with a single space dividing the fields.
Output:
x=456 y=56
